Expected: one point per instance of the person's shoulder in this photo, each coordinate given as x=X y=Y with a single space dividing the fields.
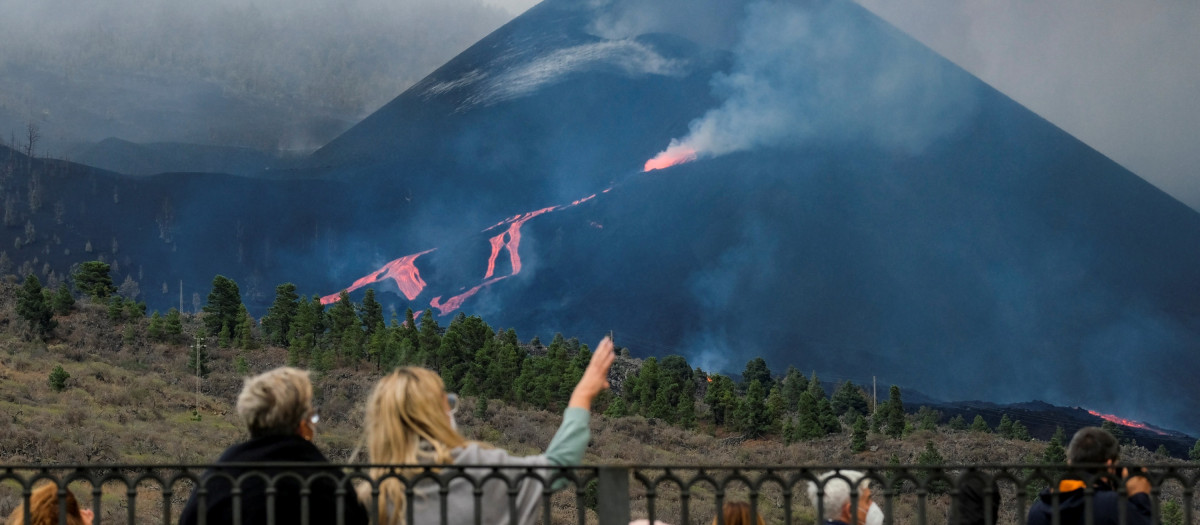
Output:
x=475 y=454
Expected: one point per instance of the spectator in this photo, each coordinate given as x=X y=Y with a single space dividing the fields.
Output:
x=970 y=505
x=1093 y=446
x=410 y=420
x=43 y=509
x=738 y=513
x=277 y=409
x=835 y=505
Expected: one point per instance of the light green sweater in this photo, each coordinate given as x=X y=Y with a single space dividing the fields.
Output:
x=566 y=448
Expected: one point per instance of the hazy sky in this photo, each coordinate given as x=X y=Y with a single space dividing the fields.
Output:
x=1121 y=76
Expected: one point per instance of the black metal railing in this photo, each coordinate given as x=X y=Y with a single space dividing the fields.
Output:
x=590 y=495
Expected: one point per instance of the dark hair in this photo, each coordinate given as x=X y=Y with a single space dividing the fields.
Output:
x=1092 y=445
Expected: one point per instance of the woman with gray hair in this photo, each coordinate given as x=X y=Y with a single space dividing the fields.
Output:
x=277 y=409
x=834 y=497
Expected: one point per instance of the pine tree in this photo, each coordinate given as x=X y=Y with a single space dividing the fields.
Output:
x=173 y=327
x=430 y=340
x=58 y=378
x=278 y=321
x=1055 y=454
x=1005 y=428
x=63 y=301
x=895 y=416
x=1020 y=432
x=927 y=418
x=342 y=317
x=720 y=399
x=756 y=370
x=979 y=425
x=245 y=330
x=155 y=329
x=379 y=348
x=371 y=312
x=931 y=457
x=646 y=387
x=617 y=408
x=794 y=383
x=879 y=417
x=753 y=414
x=957 y=423
x=858 y=441
x=849 y=398
x=33 y=307
x=223 y=308
x=776 y=408
x=1194 y=453
x=808 y=419
x=93 y=280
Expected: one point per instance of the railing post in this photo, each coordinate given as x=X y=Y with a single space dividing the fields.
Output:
x=612 y=495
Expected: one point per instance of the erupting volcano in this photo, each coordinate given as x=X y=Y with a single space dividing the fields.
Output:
x=673 y=155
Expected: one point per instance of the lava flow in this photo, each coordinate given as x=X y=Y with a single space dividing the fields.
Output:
x=674 y=154
x=403 y=271
x=1125 y=422
x=408 y=278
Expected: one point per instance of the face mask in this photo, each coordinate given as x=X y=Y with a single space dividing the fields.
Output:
x=874 y=515
x=453 y=422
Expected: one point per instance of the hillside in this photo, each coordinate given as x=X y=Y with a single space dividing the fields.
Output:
x=131 y=400
x=935 y=233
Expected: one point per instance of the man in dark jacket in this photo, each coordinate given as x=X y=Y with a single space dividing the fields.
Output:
x=1095 y=446
x=277 y=409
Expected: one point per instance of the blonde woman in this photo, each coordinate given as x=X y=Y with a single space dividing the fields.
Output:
x=409 y=421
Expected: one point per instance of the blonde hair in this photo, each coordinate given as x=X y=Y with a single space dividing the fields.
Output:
x=275 y=402
x=43 y=508
x=405 y=424
x=738 y=513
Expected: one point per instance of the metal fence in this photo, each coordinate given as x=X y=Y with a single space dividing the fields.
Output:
x=246 y=493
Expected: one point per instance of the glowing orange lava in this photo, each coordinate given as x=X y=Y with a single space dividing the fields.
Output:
x=455 y=302
x=408 y=279
x=403 y=271
x=674 y=154
x=1125 y=422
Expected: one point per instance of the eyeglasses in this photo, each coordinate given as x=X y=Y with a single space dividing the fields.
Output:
x=452 y=400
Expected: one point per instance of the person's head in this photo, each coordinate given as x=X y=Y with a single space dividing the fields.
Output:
x=738 y=513
x=837 y=498
x=408 y=421
x=1093 y=445
x=43 y=509
x=277 y=403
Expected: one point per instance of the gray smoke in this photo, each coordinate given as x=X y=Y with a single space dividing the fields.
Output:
x=804 y=73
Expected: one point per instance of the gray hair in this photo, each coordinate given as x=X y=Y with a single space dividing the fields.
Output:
x=275 y=402
x=836 y=490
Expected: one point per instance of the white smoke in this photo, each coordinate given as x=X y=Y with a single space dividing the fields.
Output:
x=827 y=72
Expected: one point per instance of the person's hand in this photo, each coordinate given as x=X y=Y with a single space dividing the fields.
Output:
x=1137 y=483
x=88 y=515
x=595 y=378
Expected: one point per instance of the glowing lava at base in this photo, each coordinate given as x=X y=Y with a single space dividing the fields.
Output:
x=1125 y=422
x=674 y=154
x=403 y=271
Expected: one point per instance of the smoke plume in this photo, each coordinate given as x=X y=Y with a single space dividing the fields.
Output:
x=804 y=72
